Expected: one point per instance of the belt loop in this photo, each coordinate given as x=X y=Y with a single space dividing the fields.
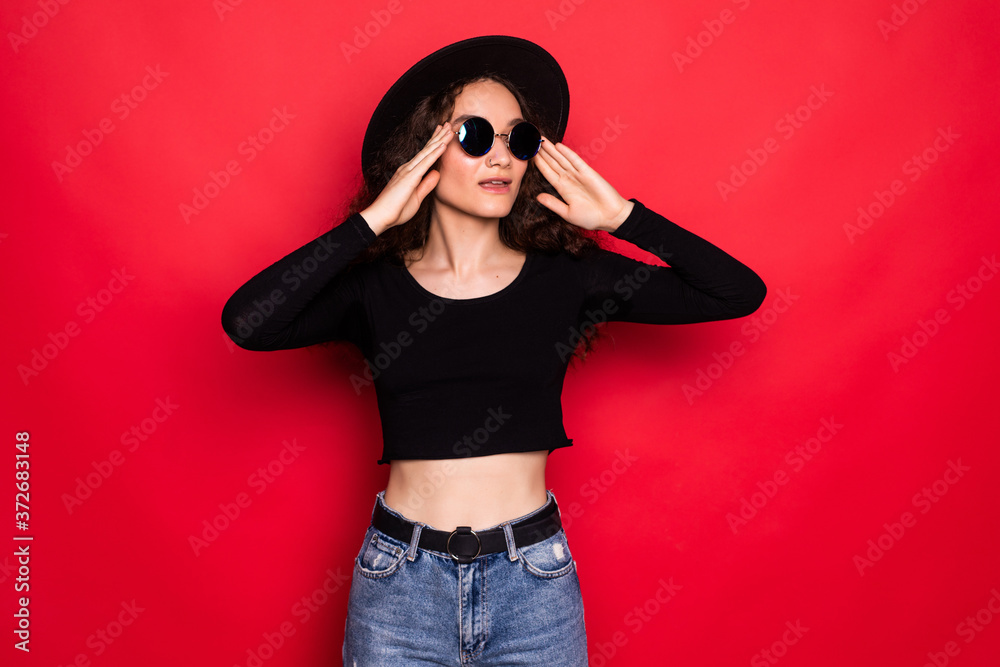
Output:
x=508 y=533
x=379 y=498
x=411 y=553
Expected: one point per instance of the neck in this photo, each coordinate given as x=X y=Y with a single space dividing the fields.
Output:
x=462 y=244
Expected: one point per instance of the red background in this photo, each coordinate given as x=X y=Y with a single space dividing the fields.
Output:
x=660 y=129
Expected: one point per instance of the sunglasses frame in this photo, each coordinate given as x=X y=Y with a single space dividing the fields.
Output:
x=505 y=135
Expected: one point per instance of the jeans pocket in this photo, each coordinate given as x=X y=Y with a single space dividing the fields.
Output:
x=548 y=559
x=379 y=557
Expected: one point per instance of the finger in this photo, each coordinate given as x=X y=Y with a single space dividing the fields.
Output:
x=429 y=147
x=563 y=180
x=444 y=130
x=584 y=172
x=544 y=165
x=549 y=165
x=440 y=135
x=553 y=204
x=432 y=150
x=571 y=155
x=440 y=131
x=557 y=170
x=559 y=157
x=430 y=140
x=429 y=182
x=434 y=134
x=448 y=133
x=546 y=150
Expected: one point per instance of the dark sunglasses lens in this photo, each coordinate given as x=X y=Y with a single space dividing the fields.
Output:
x=525 y=139
x=476 y=136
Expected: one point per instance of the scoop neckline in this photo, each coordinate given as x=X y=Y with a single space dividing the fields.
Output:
x=476 y=299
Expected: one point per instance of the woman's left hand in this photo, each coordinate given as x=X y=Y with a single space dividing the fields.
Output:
x=588 y=201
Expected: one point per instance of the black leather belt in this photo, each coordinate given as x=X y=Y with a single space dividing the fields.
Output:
x=463 y=544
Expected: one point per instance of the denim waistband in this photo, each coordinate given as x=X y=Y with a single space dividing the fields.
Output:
x=418 y=526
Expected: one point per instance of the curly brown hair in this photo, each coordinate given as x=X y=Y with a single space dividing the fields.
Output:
x=529 y=226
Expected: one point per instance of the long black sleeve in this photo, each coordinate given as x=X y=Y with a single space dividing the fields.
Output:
x=303 y=298
x=703 y=283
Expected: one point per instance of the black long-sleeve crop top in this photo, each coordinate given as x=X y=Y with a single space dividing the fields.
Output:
x=471 y=377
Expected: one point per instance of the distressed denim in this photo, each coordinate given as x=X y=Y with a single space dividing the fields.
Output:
x=413 y=606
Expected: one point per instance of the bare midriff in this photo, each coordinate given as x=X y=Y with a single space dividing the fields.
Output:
x=478 y=491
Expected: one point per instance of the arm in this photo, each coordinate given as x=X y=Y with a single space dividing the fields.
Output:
x=703 y=283
x=303 y=299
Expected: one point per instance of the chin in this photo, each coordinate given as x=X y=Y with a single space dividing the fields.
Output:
x=496 y=210
x=476 y=206
x=494 y=205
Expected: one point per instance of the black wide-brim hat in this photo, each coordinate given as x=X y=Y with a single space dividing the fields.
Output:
x=530 y=67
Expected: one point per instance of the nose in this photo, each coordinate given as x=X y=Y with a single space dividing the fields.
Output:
x=499 y=153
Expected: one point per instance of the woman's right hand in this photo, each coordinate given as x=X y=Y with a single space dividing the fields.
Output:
x=405 y=191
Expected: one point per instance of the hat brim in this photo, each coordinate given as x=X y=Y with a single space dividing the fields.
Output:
x=527 y=65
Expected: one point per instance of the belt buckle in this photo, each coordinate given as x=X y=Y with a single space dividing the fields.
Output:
x=463 y=530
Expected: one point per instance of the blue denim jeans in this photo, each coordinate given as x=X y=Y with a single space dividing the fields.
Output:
x=413 y=606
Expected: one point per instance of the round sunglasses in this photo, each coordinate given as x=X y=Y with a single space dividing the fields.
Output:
x=476 y=137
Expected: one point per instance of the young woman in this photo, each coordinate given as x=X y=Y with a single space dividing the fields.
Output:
x=468 y=285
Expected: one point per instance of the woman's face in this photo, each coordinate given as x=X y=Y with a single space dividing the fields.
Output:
x=461 y=174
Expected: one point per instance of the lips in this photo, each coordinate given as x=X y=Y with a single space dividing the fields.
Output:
x=496 y=185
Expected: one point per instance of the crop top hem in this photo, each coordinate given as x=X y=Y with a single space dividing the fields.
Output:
x=568 y=442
